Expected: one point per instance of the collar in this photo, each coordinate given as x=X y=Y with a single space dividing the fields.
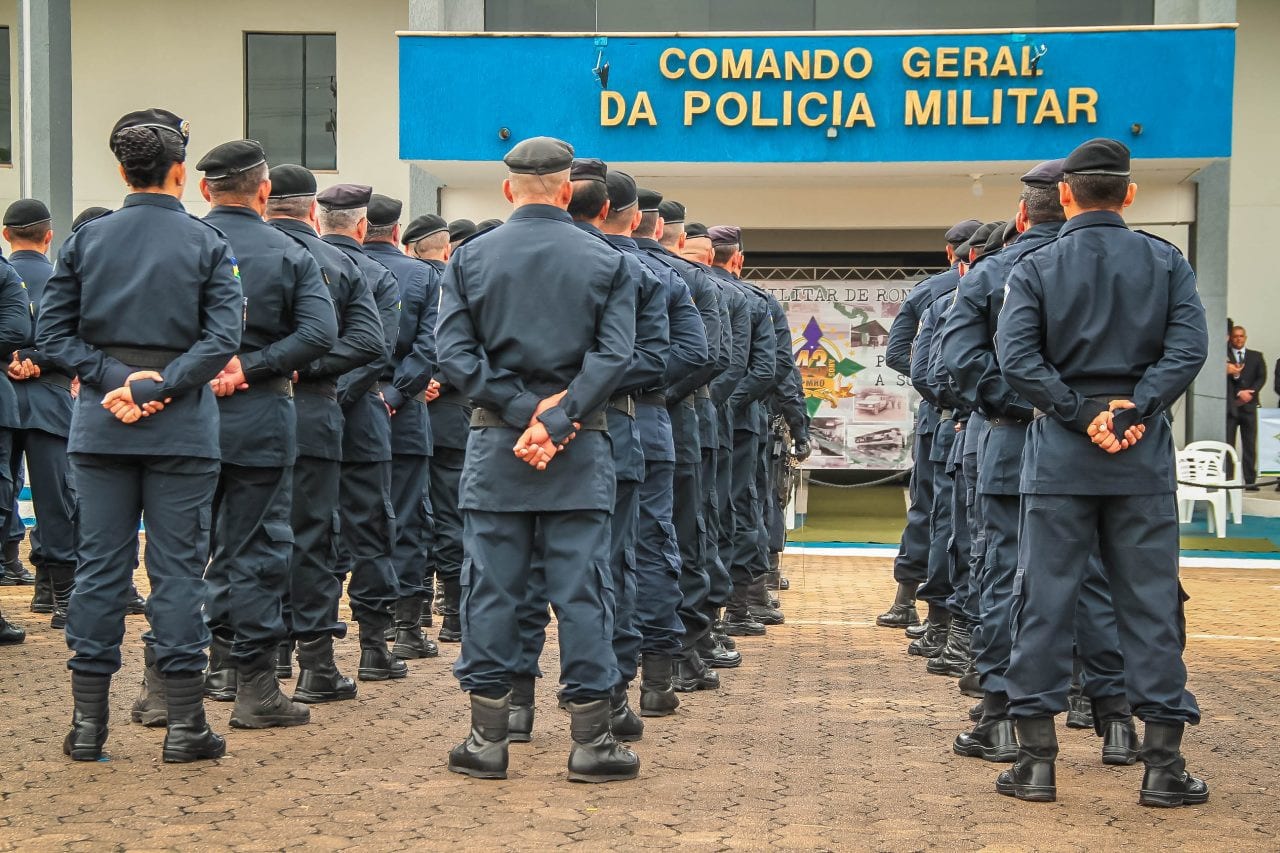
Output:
x=380 y=247
x=1041 y=230
x=234 y=210
x=1094 y=219
x=342 y=240
x=296 y=225
x=621 y=241
x=153 y=199
x=29 y=254
x=649 y=243
x=434 y=262
x=589 y=227
x=541 y=211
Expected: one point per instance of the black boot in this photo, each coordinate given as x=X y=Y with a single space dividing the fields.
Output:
x=284 y=660
x=62 y=576
x=136 y=605
x=1031 y=777
x=42 y=595
x=692 y=674
x=975 y=713
x=738 y=621
x=969 y=684
x=903 y=612
x=657 y=697
x=89 y=718
x=596 y=755
x=623 y=722
x=450 y=621
x=410 y=642
x=259 y=702
x=318 y=676
x=220 y=677
x=376 y=663
x=10 y=634
x=930 y=644
x=151 y=708
x=1113 y=722
x=722 y=636
x=1167 y=783
x=520 y=711
x=189 y=737
x=955 y=658
x=484 y=753
x=1079 y=711
x=425 y=619
x=992 y=739
x=760 y=606
x=773 y=578
x=15 y=574
x=715 y=655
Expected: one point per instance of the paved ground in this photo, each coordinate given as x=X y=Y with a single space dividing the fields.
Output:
x=828 y=738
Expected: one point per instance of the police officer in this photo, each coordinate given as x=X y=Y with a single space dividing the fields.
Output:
x=404 y=389
x=288 y=322
x=15 y=333
x=311 y=606
x=911 y=566
x=459 y=231
x=537 y=458
x=145 y=306
x=43 y=390
x=1101 y=322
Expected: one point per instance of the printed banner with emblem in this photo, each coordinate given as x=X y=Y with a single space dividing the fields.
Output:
x=863 y=412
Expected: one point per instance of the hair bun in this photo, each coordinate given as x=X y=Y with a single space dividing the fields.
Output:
x=137 y=146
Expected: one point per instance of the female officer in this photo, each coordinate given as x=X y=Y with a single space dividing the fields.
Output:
x=145 y=306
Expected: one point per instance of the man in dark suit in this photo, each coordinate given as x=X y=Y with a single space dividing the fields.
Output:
x=1246 y=374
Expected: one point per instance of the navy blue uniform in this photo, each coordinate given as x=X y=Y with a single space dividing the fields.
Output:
x=1101 y=313
x=147 y=287
x=315 y=586
x=937 y=588
x=716 y=425
x=15 y=333
x=506 y=340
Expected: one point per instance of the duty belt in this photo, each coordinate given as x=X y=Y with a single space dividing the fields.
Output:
x=1006 y=420
x=624 y=403
x=275 y=385
x=326 y=388
x=482 y=418
x=59 y=380
x=151 y=359
x=653 y=398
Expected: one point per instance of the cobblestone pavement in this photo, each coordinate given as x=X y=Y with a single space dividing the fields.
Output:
x=829 y=737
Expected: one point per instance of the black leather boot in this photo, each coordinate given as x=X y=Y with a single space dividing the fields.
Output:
x=930 y=644
x=89 y=718
x=969 y=684
x=992 y=739
x=596 y=755
x=902 y=614
x=14 y=574
x=975 y=713
x=318 y=676
x=915 y=632
x=220 y=677
x=62 y=576
x=259 y=702
x=520 y=711
x=1113 y=722
x=623 y=722
x=425 y=617
x=42 y=594
x=715 y=655
x=189 y=737
x=151 y=708
x=690 y=674
x=657 y=697
x=722 y=636
x=1079 y=712
x=774 y=578
x=10 y=634
x=284 y=659
x=738 y=621
x=954 y=659
x=760 y=606
x=376 y=662
x=1167 y=783
x=1031 y=777
x=136 y=604
x=411 y=643
x=450 y=621
x=483 y=754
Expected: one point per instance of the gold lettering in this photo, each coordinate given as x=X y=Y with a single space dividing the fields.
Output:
x=825 y=64
x=710 y=58
x=860 y=111
x=723 y=115
x=1021 y=96
x=1049 y=108
x=975 y=61
x=758 y=119
x=739 y=69
x=929 y=112
x=1004 y=63
x=642 y=110
x=837 y=107
x=768 y=65
x=948 y=61
x=967 y=116
x=915 y=63
x=1082 y=100
x=857 y=63
x=997 y=106
x=797 y=64
x=665 y=67
x=696 y=103
x=613 y=107
x=951 y=107
x=786 y=107
x=802 y=108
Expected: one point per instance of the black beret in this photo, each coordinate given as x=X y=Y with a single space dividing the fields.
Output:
x=1047 y=174
x=587 y=169
x=292 y=181
x=962 y=231
x=650 y=200
x=672 y=212
x=26 y=211
x=693 y=230
x=487 y=225
x=232 y=158
x=622 y=190
x=1010 y=232
x=345 y=197
x=541 y=155
x=995 y=240
x=1098 y=157
x=978 y=238
x=384 y=210
x=154 y=117
x=461 y=229
x=725 y=235
x=88 y=215
x=423 y=226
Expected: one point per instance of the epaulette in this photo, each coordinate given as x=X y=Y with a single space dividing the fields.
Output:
x=1157 y=238
x=202 y=221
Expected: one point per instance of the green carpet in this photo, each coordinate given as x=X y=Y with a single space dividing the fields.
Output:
x=876 y=514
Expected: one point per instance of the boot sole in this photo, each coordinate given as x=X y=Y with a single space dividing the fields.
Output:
x=513 y=737
x=924 y=653
x=996 y=755
x=188 y=757
x=948 y=673
x=1165 y=800
x=150 y=719
x=1029 y=793
x=220 y=696
x=610 y=777
x=478 y=774
x=902 y=626
x=972 y=694
x=271 y=722
x=1119 y=758
x=42 y=609
x=320 y=698
x=412 y=654
x=84 y=754
x=448 y=638
x=720 y=664
x=379 y=675
x=628 y=738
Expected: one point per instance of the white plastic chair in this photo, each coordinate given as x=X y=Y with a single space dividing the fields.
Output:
x=1235 y=497
x=1202 y=466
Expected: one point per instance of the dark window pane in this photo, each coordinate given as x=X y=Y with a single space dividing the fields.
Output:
x=291 y=97
x=962 y=14
x=703 y=15
x=6 y=105
x=541 y=16
x=321 y=103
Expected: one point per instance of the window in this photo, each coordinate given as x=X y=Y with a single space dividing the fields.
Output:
x=291 y=97
x=6 y=105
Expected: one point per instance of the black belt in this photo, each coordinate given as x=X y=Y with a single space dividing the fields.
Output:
x=653 y=398
x=1005 y=420
x=319 y=387
x=59 y=380
x=275 y=385
x=703 y=393
x=152 y=359
x=482 y=418
x=421 y=396
x=624 y=403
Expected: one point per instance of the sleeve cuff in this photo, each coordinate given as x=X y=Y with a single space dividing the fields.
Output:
x=145 y=391
x=1089 y=409
x=253 y=366
x=557 y=422
x=519 y=412
x=114 y=375
x=392 y=396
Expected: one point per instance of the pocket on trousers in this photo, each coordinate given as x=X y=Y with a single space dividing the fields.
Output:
x=1015 y=615
x=279 y=532
x=387 y=528
x=204 y=529
x=608 y=598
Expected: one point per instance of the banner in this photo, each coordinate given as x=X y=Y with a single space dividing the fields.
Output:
x=863 y=412
x=1269 y=441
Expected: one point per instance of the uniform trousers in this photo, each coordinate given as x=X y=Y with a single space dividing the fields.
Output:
x=446 y=519
x=411 y=502
x=912 y=563
x=315 y=586
x=572 y=549
x=52 y=495
x=719 y=586
x=963 y=600
x=657 y=563
x=367 y=540
x=1136 y=537
x=252 y=548
x=937 y=586
x=724 y=505
x=747 y=516
x=690 y=524
x=113 y=493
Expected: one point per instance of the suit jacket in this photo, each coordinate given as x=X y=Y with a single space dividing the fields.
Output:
x=1253 y=377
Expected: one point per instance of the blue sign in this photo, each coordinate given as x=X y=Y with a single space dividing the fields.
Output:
x=819 y=98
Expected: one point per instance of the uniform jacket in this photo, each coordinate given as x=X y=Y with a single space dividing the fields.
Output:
x=44 y=403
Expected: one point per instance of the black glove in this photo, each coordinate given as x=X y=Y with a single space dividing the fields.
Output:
x=802 y=450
